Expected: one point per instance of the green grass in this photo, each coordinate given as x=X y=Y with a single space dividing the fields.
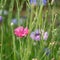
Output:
x=16 y=48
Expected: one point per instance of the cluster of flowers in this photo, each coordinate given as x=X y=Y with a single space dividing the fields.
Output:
x=35 y=35
x=14 y=21
x=38 y=2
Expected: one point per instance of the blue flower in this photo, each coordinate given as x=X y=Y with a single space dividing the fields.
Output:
x=14 y=21
x=44 y=2
x=47 y=51
x=35 y=35
x=1 y=18
x=39 y=34
x=38 y=2
x=33 y=2
x=45 y=36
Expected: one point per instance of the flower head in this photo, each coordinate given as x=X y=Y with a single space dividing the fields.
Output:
x=35 y=35
x=0 y=18
x=39 y=34
x=47 y=51
x=33 y=2
x=45 y=36
x=21 y=31
x=44 y=2
x=38 y=2
x=5 y=12
x=14 y=21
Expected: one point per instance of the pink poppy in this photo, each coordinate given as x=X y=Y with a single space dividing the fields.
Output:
x=21 y=31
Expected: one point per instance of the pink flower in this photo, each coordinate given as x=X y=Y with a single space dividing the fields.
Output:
x=21 y=31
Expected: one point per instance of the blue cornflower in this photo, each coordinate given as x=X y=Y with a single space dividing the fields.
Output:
x=45 y=36
x=33 y=2
x=35 y=35
x=5 y=12
x=44 y=2
x=1 y=18
x=14 y=21
x=47 y=51
x=38 y=2
x=39 y=34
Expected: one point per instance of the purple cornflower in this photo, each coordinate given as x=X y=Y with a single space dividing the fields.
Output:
x=38 y=2
x=35 y=35
x=14 y=21
x=21 y=20
x=44 y=2
x=45 y=36
x=39 y=34
x=0 y=18
x=33 y=2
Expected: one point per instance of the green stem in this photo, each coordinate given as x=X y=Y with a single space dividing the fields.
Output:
x=14 y=45
x=1 y=41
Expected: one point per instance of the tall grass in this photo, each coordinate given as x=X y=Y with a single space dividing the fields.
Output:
x=38 y=17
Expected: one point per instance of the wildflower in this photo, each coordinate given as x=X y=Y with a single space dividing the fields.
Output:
x=35 y=35
x=14 y=21
x=5 y=12
x=33 y=2
x=52 y=43
x=38 y=2
x=47 y=51
x=0 y=18
x=45 y=36
x=21 y=31
x=44 y=2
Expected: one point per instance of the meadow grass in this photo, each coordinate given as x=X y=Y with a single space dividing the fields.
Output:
x=40 y=17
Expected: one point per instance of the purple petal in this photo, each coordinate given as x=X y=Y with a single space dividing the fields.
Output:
x=14 y=21
x=37 y=31
x=0 y=18
x=32 y=35
x=45 y=36
x=44 y=2
x=37 y=38
x=33 y=2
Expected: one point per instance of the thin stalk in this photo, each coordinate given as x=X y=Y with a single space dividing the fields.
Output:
x=10 y=11
x=1 y=42
x=14 y=45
